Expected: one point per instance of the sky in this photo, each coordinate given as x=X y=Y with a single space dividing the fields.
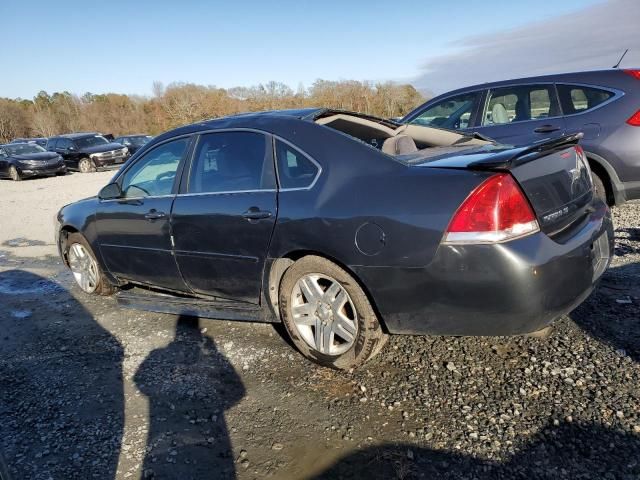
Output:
x=123 y=46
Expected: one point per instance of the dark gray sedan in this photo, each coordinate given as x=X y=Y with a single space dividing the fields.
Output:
x=22 y=160
x=346 y=228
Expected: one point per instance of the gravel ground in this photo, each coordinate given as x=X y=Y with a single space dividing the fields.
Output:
x=90 y=390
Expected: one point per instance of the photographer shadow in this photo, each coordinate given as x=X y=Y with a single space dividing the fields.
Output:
x=189 y=385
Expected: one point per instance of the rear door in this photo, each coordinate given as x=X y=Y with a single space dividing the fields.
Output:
x=521 y=114
x=223 y=218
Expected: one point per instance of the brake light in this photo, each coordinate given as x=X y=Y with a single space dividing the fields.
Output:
x=496 y=211
x=633 y=73
x=634 y=120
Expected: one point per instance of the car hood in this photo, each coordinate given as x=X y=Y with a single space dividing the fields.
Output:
x=36 y=156
x=107 y=147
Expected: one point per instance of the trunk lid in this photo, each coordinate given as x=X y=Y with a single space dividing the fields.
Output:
x=554 y=175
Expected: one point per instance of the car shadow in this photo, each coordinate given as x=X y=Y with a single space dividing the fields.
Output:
x=567 y=450
x=189 y=385
x=61 y=401
x=611 y=313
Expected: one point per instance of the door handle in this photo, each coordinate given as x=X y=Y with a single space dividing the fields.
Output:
x=546 y=129
x=154 y=215
x=254 y=213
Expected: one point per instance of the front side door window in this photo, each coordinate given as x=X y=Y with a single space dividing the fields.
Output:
x=453 y=112
x=154 y=174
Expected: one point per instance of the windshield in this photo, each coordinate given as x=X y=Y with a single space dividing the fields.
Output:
x=23 y=148
x=139 y=141
x=93 y=141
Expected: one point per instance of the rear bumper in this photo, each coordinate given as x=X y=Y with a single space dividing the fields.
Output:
x=506 y=289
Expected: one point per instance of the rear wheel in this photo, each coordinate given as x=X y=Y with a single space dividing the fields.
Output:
x=599 y=188
x=327 y=315
x=85 y=165
x=86 y=271
x=14 y=174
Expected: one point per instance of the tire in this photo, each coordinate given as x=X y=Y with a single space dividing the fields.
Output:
x=599 y=188
x=85 y=165
x=14 y=174
x=332 y=293
x=98 y=284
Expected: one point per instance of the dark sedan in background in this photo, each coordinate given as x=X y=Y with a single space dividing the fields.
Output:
x=345 y=227
x=87 y=152
x=41 y=141
x=133 y=142
x=604 y=105
x=21 y=160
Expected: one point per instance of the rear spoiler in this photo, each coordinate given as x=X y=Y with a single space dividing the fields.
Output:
x=517 y=156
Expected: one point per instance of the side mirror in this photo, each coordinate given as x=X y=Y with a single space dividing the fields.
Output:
x=72 y=149
x=110 y=192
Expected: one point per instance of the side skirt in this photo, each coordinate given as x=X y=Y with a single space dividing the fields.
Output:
x=140 y=299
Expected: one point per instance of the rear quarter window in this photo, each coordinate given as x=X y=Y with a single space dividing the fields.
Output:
x=579 y=99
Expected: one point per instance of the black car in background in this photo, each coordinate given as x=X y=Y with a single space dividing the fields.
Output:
x=21 y=160
x=41 y=141
x=604 y=105
x=345 y=227
x=133 y=142
x=87 y=151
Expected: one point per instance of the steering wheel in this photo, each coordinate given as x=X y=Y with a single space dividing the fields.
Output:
x=165 y=175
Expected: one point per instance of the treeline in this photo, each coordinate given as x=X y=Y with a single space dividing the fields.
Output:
x=182 y=103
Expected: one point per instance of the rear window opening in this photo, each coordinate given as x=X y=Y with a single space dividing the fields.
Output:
x=395 y=139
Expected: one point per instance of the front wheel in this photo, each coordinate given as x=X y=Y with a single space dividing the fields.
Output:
x=327 y=314
x=86 y=271
x=14 y=174
x=85 y=165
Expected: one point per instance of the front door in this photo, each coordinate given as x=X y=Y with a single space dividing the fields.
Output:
x=134 y=232
x=521 y=114
x=223 y=218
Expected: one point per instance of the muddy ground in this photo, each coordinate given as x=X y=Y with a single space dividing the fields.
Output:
x=84 y=384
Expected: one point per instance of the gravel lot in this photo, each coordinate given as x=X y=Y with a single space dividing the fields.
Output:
x=90 y=390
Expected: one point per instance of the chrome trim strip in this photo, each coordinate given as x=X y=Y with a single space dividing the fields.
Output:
x=190 y=253
x=230 y=192
x=111 y=245
x=128 y=199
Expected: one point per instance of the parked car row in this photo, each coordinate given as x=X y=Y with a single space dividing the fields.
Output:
x=603 y=105
x=85 y=152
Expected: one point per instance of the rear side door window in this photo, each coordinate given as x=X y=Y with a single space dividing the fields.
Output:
x=579 y=99
x=453 y=112
x=231 y=162
x=295 y=169
x=519 y=103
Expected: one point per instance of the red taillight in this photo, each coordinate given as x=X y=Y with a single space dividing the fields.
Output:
x=633 y=73
x=634 y=120
x=496 y=211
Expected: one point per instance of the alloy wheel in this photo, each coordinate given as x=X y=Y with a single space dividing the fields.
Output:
x=13 y=173
x=83 y=267
x=85 y=165
x=324 y=314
